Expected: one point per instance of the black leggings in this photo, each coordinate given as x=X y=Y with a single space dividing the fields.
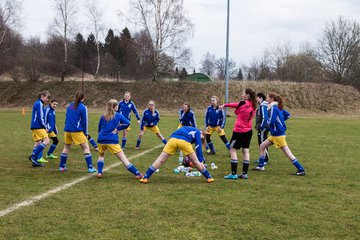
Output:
x=223 y=138
x=55 y=140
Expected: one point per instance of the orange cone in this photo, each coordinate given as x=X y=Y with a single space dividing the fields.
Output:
x=23 y=111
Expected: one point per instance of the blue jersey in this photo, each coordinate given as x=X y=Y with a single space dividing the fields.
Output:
x=191 y=135
x=215 y=117
x=149 y=119
x=276 y=121
x=187 y=119
x=106 y=128
x=125 y=109
x=262 y=116
x=76 y=120
x=38 y=116
x=50 y=120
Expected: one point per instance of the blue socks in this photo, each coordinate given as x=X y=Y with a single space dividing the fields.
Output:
x=37 y=150
x=297 y=165
x=131 y=168
x=100 y=166
x=51 y=149
x=63 y=158
x=211 y=146
x=149 y=172
x=138 y=143
x=261 y=161
x=40 y=155
x=123 y=143
x=88 y=159
x=164 y=141
x=206 y=173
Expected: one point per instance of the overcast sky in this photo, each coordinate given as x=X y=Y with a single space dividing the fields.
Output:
x=254 y=24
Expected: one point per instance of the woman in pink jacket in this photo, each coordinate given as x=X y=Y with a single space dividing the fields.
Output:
x=242 y=132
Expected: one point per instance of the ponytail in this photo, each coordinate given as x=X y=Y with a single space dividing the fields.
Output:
x=278 y=99
x=78 y=97
x=110 y=109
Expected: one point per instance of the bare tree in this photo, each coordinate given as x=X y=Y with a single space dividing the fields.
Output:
x=208 y=64
x=32 y=59
x=220 y=68
x=339 y=51
x=166 y=24
x=9 y=18
x=95 y=15
x=63 y=24
x=278 y=56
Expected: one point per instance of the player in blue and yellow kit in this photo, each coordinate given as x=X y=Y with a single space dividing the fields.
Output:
x=215 y=120
x=76 y=130
x=149 y=121
x=110 y=124
x=38 y=127
x=276 y=124
x=126 y=106
x=186 y=116
x=182 y=139
x=50 y=117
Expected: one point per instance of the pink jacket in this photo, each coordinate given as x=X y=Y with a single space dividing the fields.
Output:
x=245 y=113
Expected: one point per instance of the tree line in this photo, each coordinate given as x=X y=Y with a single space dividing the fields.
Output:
x=158 y=49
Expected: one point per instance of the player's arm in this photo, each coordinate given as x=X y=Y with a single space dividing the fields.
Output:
x=286 y=114
x=223 y=119
x=198 y=147
x=124 y=123
x=135 y=111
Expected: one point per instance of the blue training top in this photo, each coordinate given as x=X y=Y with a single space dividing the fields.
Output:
x=38 y=116
x=50 y=120
x=215 y=117
x=125 y=109
x=188 y=118
x=149 y=119
x=191 y=135
x=276 y=121
x=106 y=128
x=76 y=120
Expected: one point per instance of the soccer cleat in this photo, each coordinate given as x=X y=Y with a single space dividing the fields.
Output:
x=42 y=160
x=231 y=176
x=51 y=156
x=243 y=176
x=96 y=149
x=208 y=150
x=300 y=173
x=92 y=170
x=258 y=168
x=62 y=169
x=123 y=148
x=209 y=180
x=227 y=145
x=99 y=175
x=137 y=148
x=34 y=162
x=144 y=180
x=211 y=152
x=138 y=177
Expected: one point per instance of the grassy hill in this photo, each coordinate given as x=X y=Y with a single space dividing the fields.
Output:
x=312 y=97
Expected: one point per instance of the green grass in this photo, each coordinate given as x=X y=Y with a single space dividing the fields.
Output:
x=274 y=204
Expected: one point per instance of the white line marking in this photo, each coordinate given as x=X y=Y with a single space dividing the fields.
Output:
x=64 y=187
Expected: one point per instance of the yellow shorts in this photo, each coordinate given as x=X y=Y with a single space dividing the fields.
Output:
x=154 y=129
x=215 y=129
x=174 y=144
x=180 y=125
x=113 y=148
x=52 y=134
x=75 y=137
x=38 y=134
x=278 y=142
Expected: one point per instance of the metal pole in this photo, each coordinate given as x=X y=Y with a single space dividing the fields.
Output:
x=227 y=54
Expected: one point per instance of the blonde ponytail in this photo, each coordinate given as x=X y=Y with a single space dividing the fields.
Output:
x=110 y=109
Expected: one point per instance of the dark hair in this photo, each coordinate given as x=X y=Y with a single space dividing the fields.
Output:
x=54 y=100
x=187 y=104
x=261 y=95
x=44 y=93
x=278 y=99
x=78 y=97
x=252 y=96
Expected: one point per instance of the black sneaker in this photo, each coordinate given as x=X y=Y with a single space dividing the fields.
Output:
x=34 y=162
x=211 y=153
x=300 y=173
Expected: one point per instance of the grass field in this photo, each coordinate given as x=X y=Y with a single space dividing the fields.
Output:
x=274 y=204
